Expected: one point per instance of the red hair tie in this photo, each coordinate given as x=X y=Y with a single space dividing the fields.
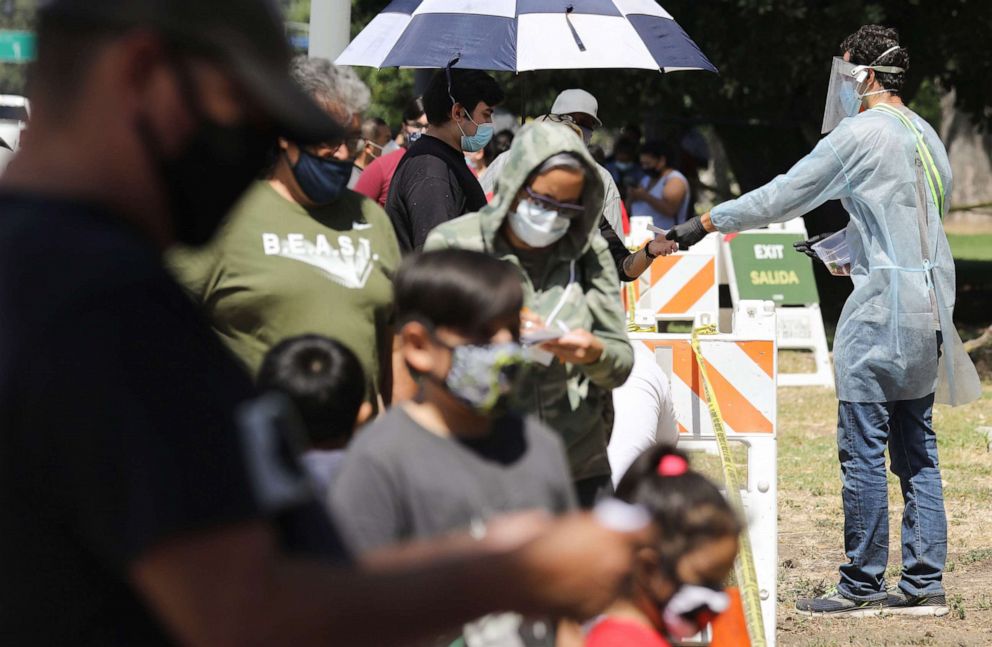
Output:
x=672 y=465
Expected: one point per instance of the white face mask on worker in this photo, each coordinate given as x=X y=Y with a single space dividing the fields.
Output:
x=537 y=226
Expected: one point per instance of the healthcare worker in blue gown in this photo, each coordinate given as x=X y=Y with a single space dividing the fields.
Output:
x=896 y=349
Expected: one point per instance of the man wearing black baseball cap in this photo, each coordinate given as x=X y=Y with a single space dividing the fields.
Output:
x=147 y=496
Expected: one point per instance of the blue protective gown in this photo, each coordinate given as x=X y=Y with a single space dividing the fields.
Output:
x=901 y=265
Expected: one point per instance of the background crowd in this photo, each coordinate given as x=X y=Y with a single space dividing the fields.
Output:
x=242 y=417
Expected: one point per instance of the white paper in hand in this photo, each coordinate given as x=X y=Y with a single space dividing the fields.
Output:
x=539 y=336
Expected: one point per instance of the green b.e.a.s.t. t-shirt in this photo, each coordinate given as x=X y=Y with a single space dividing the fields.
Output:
x=276 y=269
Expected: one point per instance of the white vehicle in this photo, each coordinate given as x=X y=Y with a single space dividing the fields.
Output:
x=14 y=113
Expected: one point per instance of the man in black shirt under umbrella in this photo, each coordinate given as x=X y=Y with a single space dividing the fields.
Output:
x=432 y=183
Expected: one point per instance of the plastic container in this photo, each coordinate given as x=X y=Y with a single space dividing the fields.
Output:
x=834 y=253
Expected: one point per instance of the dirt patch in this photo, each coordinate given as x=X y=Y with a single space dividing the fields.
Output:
x=811 y=544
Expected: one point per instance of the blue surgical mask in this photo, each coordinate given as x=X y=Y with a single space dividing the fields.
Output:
x=322 y=180
x=623 y=167
x=586 y=134
x=849 y=100
x=478 y=141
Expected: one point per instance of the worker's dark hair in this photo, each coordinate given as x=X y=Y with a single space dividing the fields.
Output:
x=323 y=379
x=687 y=508
x=470 y=292
x=870 y=42
x=468 y=87
x=414 y=110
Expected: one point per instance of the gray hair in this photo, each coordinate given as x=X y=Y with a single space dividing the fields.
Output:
x=331 y=83
x=563 y=160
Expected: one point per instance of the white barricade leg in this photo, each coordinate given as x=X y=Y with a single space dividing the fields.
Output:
x=802 y=329
x=762 y=510
x=761 y=507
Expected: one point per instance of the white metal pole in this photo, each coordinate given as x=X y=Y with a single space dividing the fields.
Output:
x=330 y=27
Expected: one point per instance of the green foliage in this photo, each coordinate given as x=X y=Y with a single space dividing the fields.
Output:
x=926 y=103
x=971 y=247
x=22 y=16
x=391 y=89
x=13 y=76
x=296 y=10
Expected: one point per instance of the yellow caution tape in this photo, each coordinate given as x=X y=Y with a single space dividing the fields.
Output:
x=632 y=325
x=747 y=577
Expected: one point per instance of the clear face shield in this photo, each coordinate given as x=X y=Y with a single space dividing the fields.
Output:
x=848 y=85
x=842 y=95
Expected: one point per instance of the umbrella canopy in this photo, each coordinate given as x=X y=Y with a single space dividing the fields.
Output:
x=520 y=35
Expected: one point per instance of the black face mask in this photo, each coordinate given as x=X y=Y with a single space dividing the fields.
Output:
x=323 y=180
x=651 y=171
x=216 y=165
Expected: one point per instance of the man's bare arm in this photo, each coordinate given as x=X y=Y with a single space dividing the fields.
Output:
x=232 y=587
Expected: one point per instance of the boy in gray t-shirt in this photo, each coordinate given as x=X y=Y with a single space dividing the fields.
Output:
x=453 y=458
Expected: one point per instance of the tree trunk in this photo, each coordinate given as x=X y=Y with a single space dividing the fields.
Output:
x=983 y=340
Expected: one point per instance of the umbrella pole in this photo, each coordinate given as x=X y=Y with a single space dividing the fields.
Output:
x=523 y=97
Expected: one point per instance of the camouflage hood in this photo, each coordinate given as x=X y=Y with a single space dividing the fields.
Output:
x=574 y=400
x=531 y=147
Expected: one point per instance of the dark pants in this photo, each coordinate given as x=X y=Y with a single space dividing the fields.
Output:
x=863 y=431
x=589 y=491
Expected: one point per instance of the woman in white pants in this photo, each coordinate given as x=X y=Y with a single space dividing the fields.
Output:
x=644 y=413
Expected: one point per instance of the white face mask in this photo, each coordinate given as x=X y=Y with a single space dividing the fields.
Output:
x=537 y=226
x=692 y=608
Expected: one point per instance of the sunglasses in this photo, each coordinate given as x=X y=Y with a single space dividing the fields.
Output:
x=353 y=143
x=564 y=209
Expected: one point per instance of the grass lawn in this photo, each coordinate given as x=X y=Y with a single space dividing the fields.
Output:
x=811 y=527
x=811 y=539
x=971 y=247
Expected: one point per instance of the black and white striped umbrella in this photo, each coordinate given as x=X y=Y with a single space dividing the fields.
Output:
x=521 y=35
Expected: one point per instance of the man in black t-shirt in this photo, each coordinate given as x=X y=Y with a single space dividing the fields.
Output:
x=147 y=496
x=432 y=183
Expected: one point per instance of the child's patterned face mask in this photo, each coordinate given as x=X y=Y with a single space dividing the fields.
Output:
x=483 y=376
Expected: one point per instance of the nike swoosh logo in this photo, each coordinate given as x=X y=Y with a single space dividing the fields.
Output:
x=361 y=225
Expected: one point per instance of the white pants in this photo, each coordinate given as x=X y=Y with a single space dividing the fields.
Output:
x=644 y=413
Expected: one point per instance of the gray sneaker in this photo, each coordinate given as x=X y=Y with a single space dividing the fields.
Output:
x=901 y=603
x=832 y=603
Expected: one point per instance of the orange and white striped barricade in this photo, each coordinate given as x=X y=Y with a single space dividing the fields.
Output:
x=680 y=286
x=742 y=368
